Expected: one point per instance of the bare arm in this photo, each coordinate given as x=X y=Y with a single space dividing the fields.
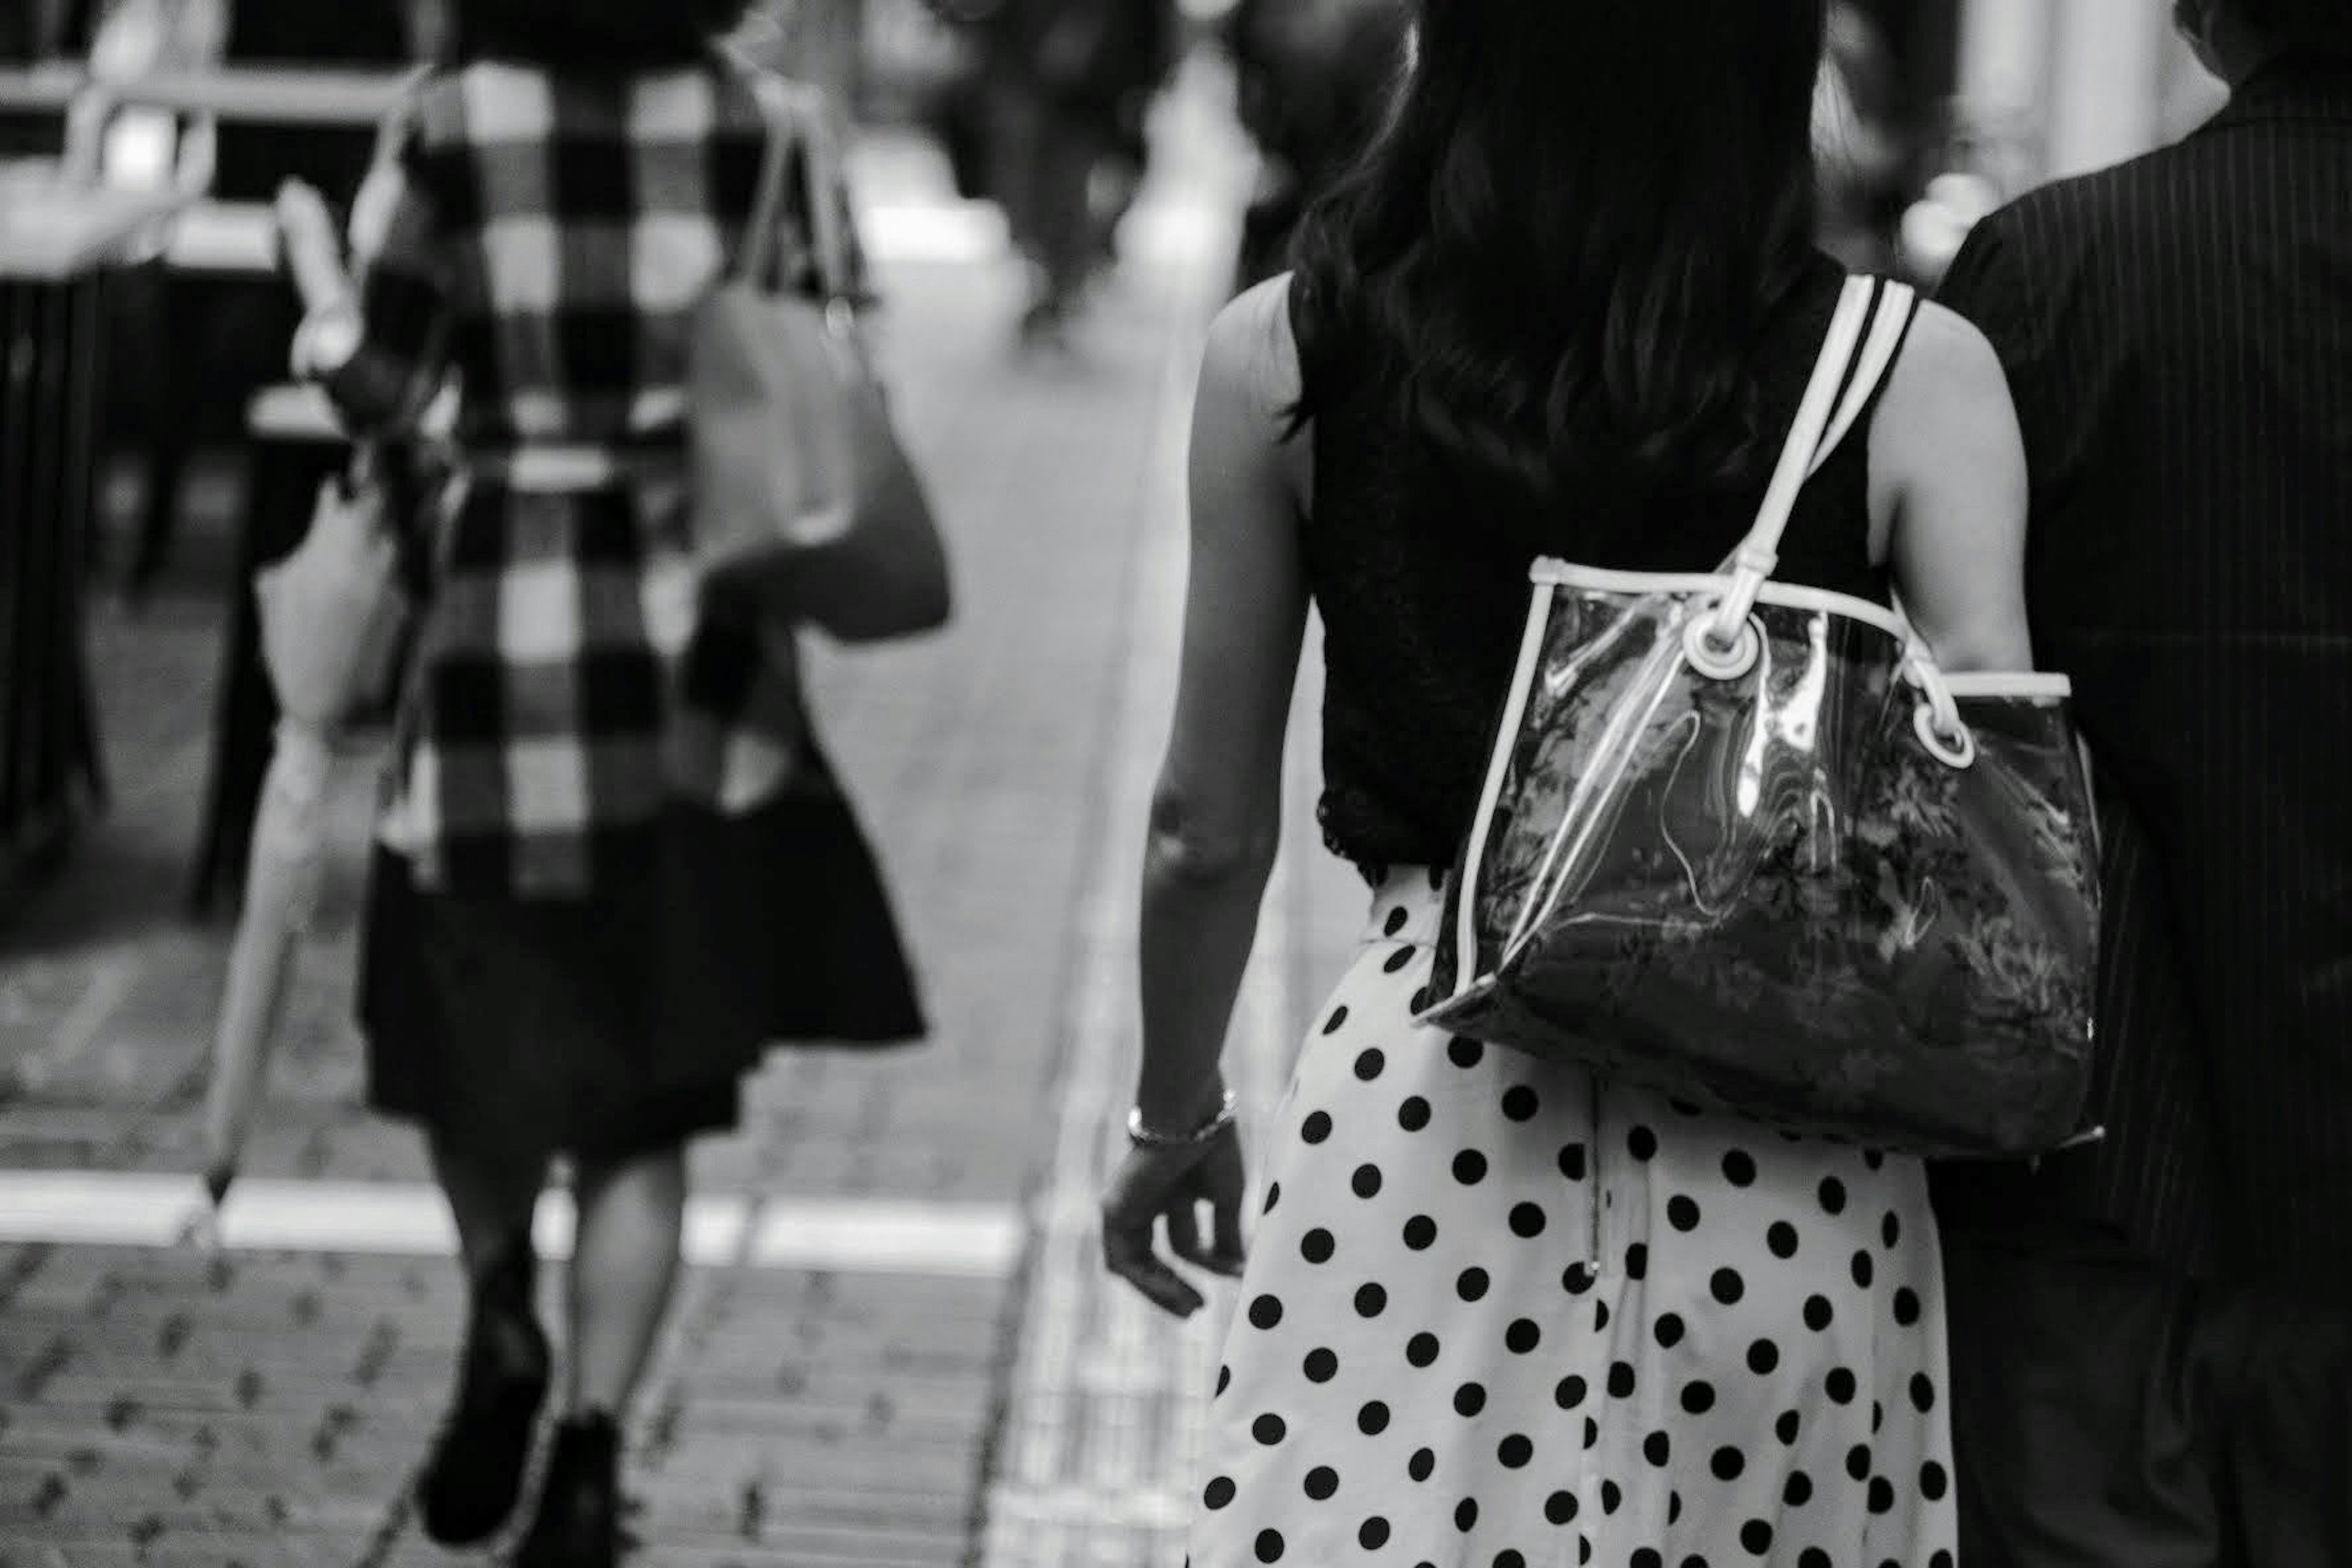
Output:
x=1216 y=814
x=1949 y=496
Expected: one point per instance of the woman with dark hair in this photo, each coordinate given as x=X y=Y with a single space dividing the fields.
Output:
x=1860 y=141
x=1497 y=1313
x=613 y=864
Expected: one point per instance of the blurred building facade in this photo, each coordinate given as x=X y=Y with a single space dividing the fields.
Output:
x=1983 y=99
x=2057 y=88
x=2045 y=88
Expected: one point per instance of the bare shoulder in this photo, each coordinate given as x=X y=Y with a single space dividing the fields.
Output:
x=1250 y=386
x=1250 y=353
x=1947 y=367
x=1945 y=441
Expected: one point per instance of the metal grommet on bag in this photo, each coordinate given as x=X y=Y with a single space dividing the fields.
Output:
x=1956 y=749
x=1721 y=661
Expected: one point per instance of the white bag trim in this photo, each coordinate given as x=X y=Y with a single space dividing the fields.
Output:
x=1515 y=710
x=794 y=115
x=2030 y=685
x=1697 y=585
x=1553 y=572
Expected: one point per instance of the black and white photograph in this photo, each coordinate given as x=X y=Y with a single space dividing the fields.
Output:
x=1176 y=783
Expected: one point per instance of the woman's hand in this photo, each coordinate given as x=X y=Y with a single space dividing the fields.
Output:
x=314 y=251
x=1152 y=1184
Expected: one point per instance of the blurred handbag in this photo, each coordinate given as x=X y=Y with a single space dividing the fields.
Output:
x=806 y=506
x=334 y=612
x=1742 y=842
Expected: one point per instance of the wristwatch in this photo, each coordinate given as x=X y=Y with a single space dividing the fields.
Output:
x=327 y=340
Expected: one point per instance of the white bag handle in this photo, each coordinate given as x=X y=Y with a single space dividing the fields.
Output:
x=1865 y=335
x=1897 y=302
x=794 y=117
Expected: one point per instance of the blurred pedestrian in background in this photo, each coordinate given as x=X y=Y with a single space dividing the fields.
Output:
x=2152 y=1336
x=432 y=30
x=589 y=757
x=1313 y=78
x=1864 y=148
x=1496 y=1311
x=1069 y=83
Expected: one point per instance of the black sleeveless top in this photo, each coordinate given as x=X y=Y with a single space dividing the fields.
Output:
x=1424 y=610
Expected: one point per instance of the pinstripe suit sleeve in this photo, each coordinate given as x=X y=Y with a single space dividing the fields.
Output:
x=1983 y=275
x=2153 y=1171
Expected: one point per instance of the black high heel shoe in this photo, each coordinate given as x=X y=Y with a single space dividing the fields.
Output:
x=474 y=1475
x=578 y=1524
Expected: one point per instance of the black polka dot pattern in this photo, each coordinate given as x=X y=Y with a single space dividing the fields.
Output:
x=1433 y=1359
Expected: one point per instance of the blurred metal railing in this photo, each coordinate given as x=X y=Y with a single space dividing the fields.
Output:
x=268 y=95
x=34 y=102
x=274 y=97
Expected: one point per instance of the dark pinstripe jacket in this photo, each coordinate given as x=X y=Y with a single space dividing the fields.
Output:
x=2178 y=332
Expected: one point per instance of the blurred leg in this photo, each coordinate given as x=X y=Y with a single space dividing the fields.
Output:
x=474 y=1475
x=490 y=1158
x=625 y=1266
x=493 y=1015
x=149 y=380
x=493 y=1190
x=1014 y=116
x=2286 y=1389
x=2082 y=1429
x=1066 y=166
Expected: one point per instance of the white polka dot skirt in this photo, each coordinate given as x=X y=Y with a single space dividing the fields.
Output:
x=1497 y=1316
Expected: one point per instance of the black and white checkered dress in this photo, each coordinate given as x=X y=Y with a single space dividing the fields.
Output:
x=547 y=237
x=575 y=939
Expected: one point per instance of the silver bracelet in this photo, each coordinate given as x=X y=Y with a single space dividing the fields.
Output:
x=1143 y=1137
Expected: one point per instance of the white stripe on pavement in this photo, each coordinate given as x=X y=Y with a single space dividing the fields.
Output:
x=401 y=1218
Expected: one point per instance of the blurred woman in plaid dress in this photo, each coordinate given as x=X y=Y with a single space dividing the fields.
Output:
x=614 y=864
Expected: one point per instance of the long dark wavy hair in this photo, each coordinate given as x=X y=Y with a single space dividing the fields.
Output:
x=1556 y=256
x=591 y=35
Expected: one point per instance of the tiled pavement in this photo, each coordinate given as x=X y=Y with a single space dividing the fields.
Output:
x=970 y=1391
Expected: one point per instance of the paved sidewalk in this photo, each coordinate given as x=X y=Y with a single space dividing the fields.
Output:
x=895 y=1347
